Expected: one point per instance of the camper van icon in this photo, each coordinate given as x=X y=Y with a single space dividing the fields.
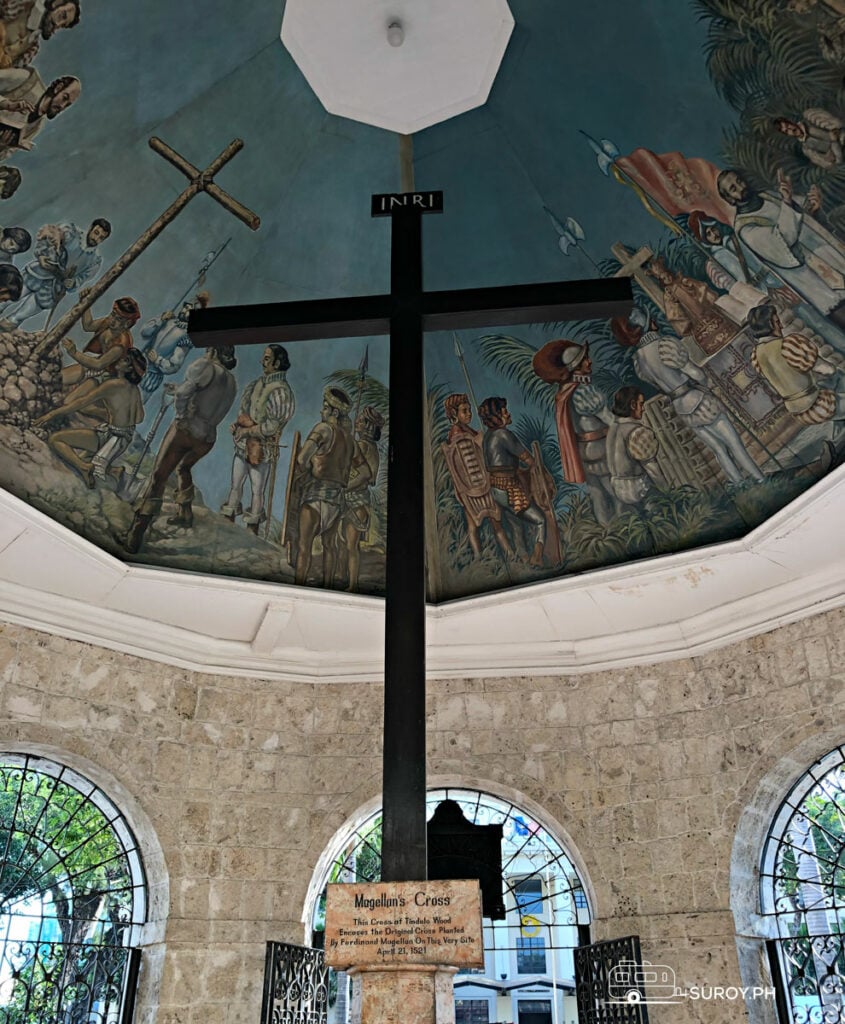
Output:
x=630 y=983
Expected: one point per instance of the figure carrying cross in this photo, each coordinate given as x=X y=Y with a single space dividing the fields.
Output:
x=406 y=314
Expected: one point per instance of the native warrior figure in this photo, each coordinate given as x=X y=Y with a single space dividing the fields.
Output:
x=24 y=24
x=26 y=104
x=464 y=457
x=582 y=419
x=266 y=406
x=792 y=365
x=324 y=461
x=632 y=449
x=513 y=490
x=120 y=398
x=166 y=342
x=201 y=401
x=65 y=258
x=820 y=134
x=691 y=308
x=355 y=520
x=782 y=233
x=663 y=361
x=100 y=357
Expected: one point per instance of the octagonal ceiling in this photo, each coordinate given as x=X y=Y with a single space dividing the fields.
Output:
x=598 y=149
x=395 y=64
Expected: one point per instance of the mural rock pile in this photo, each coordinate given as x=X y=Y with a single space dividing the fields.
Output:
x=32 y=384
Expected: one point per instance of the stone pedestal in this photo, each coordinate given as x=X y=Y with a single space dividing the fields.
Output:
x=388 y=994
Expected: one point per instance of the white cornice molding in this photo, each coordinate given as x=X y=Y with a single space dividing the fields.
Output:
x=655 y=610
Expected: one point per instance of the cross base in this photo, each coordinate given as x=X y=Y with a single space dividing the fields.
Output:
x=422 y=993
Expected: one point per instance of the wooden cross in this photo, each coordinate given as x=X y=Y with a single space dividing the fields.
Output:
x=406 y=314
x=633 y=264
x=200 y=181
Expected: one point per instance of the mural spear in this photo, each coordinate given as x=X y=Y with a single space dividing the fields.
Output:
x=363 y=366
x=205 y=266
x=459 y=352
x=571 y=236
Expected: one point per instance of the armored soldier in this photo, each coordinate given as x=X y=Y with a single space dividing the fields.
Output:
x=662 y=360
x=464 y=458
x=582 y=420
x=326 y=458
x=503 y=455
x=792 y=364
x=632 y=449
x=355 y=521
x=166 y=343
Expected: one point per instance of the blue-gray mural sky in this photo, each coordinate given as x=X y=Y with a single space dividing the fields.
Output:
x=199 y=75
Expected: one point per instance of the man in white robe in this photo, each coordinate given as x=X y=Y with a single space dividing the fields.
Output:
x=782 y=232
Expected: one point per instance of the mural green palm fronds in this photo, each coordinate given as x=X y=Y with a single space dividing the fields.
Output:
x=797 y=72
x=511 y=357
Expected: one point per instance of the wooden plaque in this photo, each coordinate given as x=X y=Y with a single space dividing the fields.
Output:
x=404 y=923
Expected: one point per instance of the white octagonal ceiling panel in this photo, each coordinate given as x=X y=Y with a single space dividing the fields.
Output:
x=440 y=61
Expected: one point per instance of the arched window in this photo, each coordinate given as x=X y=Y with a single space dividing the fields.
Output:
x=803 y=891
x=72 y=898
x=528 y=974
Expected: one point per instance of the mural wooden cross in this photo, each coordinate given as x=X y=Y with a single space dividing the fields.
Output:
x=200 y=181
x=406 y=314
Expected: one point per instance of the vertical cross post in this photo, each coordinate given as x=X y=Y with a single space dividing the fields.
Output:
x=403 y=823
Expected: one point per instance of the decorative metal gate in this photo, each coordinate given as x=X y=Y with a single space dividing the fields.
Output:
x=609 y=982
x=809 y=976
x=296 y=985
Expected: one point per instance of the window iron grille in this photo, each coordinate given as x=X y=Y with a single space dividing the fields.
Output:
x=802 y=887
x=72 y=898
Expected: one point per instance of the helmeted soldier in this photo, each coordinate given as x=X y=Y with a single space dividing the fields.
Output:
x=632 y=449
x=464 y=459
x=166 y=343
x=504 y=454
x=662 y=360
x=326 y=459
x=582 y=418
x=355 y=520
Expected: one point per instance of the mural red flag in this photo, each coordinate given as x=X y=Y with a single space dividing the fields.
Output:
x=675 y=183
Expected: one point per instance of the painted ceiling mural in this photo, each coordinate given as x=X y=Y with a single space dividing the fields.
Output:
x=695 y=145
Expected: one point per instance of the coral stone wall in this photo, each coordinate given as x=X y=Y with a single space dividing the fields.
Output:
x=654 y=777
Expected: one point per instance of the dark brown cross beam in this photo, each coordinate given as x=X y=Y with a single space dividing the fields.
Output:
x=406 y=314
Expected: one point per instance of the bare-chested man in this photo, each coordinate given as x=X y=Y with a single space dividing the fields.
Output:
x=325 y=459
x=354 y=522
x=100 y=357
x=121 y=399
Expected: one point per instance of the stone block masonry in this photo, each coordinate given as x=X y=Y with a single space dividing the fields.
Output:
x=646 y=774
